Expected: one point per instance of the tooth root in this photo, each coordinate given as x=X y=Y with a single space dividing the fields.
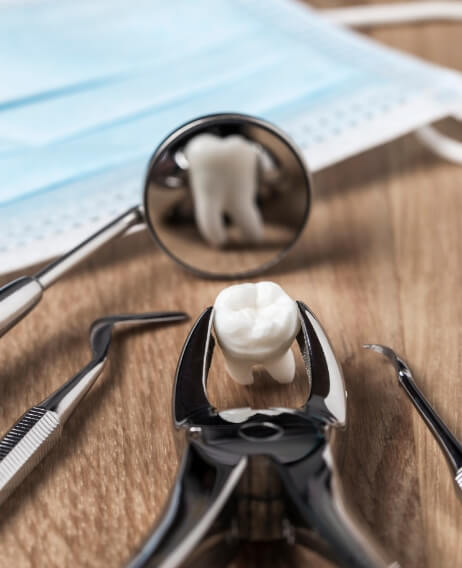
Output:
x=249 y=220
x=240 y=370
x=209 y=217
x=282 y=369
x=242 y=191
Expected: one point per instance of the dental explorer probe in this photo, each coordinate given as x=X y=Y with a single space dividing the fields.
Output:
x=36 y=432
x=448 y=442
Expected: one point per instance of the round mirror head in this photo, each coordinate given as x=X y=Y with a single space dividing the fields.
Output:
x=227 y=195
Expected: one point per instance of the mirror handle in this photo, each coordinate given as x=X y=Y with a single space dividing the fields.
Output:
x=17 y=298
x=20 y=296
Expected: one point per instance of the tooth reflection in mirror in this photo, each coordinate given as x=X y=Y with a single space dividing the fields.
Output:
x=223 y=176
x=227 y=195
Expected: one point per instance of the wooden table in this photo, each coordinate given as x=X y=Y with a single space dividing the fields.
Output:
x=379 y=262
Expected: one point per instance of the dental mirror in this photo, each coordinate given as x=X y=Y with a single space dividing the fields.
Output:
x=226 y=196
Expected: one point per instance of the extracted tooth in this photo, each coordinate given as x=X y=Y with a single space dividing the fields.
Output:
x=255 y=324
x=223 y=175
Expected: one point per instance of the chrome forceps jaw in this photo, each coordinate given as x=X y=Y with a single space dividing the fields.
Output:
x=235 y=458
x=326 y=403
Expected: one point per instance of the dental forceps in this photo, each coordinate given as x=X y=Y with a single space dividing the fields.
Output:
x=257 y=474
x=451 y=447
x=36 y=432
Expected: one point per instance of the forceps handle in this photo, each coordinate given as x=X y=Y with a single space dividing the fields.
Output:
x=25 y=445
x=19 y=297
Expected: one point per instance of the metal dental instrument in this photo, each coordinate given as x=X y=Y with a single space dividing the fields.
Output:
x=35 y=433
x=451 y=447
x=284 y=212
x=256 y=475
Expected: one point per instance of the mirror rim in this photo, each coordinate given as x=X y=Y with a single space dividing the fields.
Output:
x=198 y=124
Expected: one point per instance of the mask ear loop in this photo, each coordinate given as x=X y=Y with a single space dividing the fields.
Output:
x=408 y=12
x=393 y=14
x=444 y=146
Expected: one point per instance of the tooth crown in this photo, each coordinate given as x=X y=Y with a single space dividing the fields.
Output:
x=255 y=322
x=216 y=153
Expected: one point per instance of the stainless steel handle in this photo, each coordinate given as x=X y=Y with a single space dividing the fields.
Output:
x=314 y=488
x=17 y=298
x=448 y=442
x=115 y=228
x=24 y=446
x=31 y=438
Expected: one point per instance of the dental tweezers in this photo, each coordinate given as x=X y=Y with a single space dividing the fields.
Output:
x=36 y=432
x=257 y=475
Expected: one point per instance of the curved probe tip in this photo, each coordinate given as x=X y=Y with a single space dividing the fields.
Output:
x=383 y=349
x=398 y=363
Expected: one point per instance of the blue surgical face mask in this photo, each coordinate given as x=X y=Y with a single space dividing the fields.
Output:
x=88 y=90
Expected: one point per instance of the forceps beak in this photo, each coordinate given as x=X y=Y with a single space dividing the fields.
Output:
x=448 y=442
x=190 y=389
x=327 y=399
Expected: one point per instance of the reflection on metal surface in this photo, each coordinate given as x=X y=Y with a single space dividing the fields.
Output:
x=227 y=195
x=258 y=475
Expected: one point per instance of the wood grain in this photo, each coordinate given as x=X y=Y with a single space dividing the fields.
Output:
x=379 y=262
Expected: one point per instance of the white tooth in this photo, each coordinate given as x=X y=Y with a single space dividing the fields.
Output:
x=282 y=369
x=223 y=174
x=255 y=324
